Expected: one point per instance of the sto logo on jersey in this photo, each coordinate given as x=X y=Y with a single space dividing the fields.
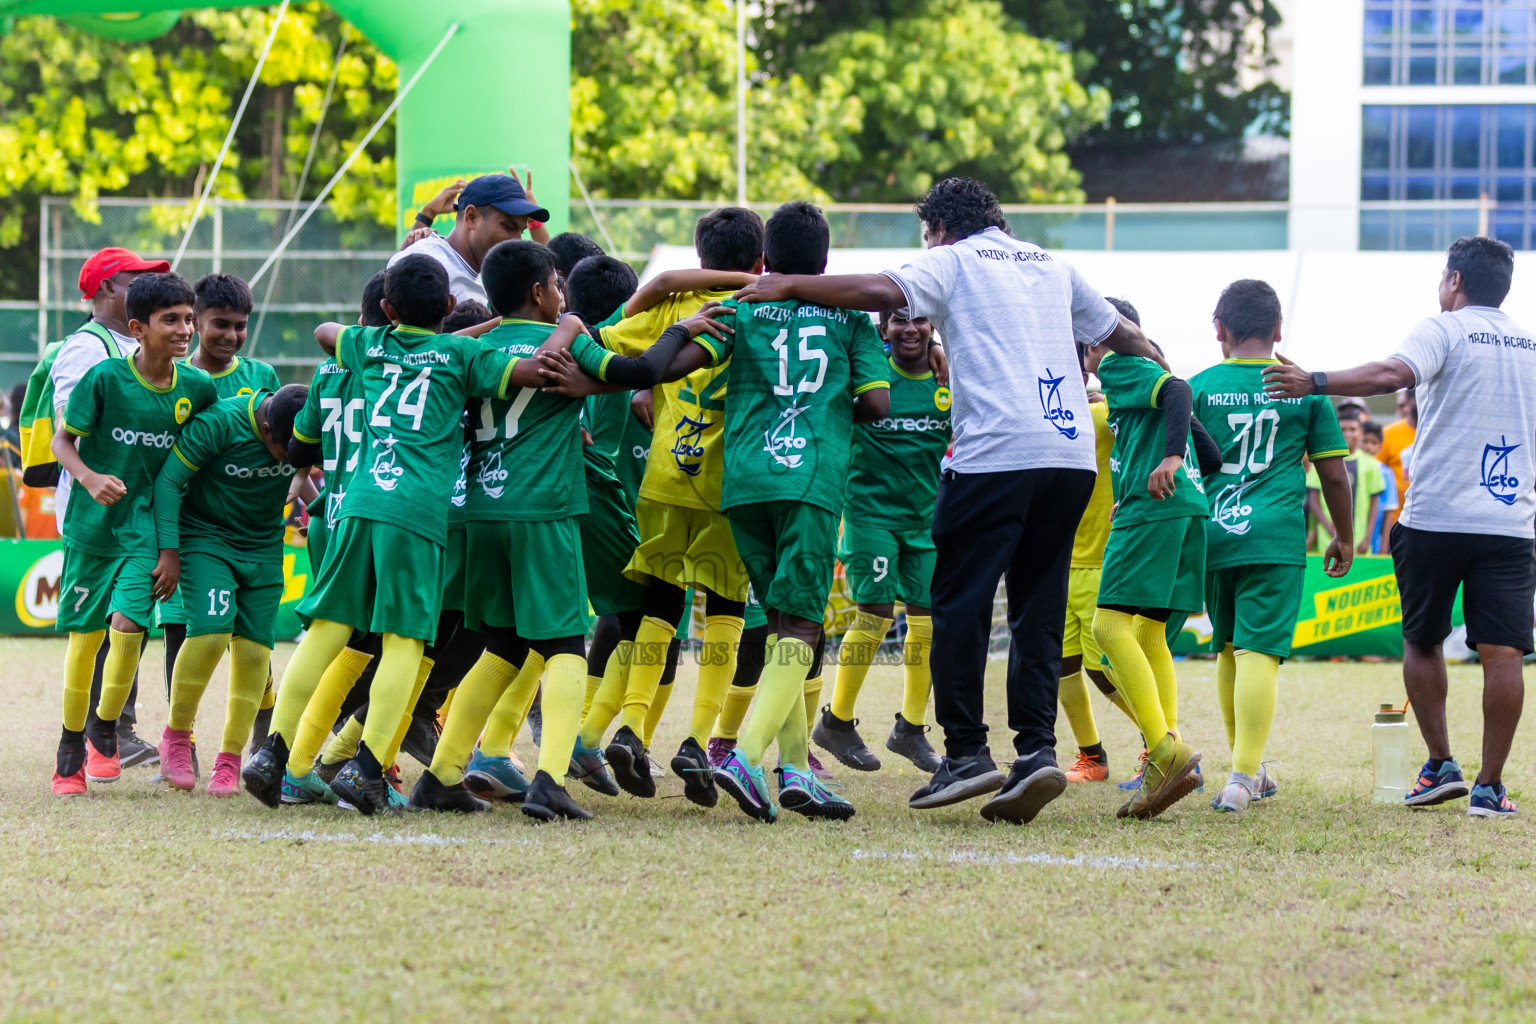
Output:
x=1497 y=479
x=687 y=446
x=384 y=471
x=1228 y=510
x=1056 y=414
x=492 y=478
x=782 y=441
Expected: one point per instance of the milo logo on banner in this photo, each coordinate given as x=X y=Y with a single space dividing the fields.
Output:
x=37 y=596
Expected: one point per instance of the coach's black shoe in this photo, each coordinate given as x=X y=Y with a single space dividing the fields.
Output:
x=432 y=795
x=959 y=779
x=630 y=763
x=421 y=738
x=361 y=783
x=263 y=773
x=692 y=765
x=911 y=742
x=840 y=738
x=260 y=727
x=548 y=800
x=132 y=751
x=1033 y=782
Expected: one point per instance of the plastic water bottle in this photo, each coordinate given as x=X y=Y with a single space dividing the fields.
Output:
x=1392 y=747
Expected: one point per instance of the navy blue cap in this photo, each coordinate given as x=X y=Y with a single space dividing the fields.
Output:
x=503 y=192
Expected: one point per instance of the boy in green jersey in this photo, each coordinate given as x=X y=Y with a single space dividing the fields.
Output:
x=887 y=547
x=121 y=421
x=219 y=515
x=383 y=573
x=1153 y=562
x=1256 y=532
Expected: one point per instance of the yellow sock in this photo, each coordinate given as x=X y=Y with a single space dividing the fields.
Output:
x=269 y=693
x=737 y=700
x=117 y=675
x=917 y=677
x=250 y=666
x=564 y=677
x=507 y=716
x=314 y=655
x=1072 y=690
x=794 y=741
x=321 y=711
x=389 y=700
x=343 y=746
x=1226 y=680
x=654 y=712
x=442 y=712
x=195 y=663
x=594 y=683
x=783 y=689
x=646 y=667
x=1116 y=634
x=481 y=688
x=610 y=695
x=1254 y=702
x=717 y=666
x=79 y=666
x=854 y=657
x=811 y=691
x=392 y=754
x=1114 y=697
x=1152 y=638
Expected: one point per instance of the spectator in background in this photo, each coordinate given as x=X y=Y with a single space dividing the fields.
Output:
x=1365 y=480
x=1370 y=443
x=1396 y=439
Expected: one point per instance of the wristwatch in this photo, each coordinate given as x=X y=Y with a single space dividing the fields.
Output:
x=1319 y=383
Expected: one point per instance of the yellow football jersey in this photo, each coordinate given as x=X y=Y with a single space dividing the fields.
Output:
x=1093 y=530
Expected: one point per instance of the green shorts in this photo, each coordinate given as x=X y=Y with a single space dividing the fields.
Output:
x=317 y=537
x=754 y=616
x=609 y=538
x=527 y=577
x=378 y=578
x=454 y=584
x=1160 y=564
x=172 y=611
x=231 y=595
x=93 y=587
x=883 y=566
x=789 y=549
x=1254 y=607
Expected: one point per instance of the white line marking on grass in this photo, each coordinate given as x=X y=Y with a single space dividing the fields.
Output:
x=392 y=839
x=1055 y=860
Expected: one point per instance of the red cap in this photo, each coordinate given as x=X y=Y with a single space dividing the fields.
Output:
x=111 y=261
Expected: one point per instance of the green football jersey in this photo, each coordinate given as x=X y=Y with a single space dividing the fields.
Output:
x=603 y=416
x=795 y=370
x=526 y=462
x=1132 y=386
x=244 y=376
x=415 y=385
x=126 y=427
x=222 y=491
x=1258 y=499
x=893 y=476
x=634 y=451
x=332 y=417
x=460 y=497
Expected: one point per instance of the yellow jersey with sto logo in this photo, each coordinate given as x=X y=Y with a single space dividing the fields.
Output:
x=686 y=465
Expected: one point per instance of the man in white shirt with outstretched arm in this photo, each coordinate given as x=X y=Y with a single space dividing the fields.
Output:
x=1470 y=516
x=1019 y=474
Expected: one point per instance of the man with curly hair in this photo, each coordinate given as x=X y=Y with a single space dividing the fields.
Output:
x=1022 y=466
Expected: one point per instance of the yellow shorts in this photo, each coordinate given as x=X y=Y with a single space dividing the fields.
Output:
x=687 y=547
x=1082 y=600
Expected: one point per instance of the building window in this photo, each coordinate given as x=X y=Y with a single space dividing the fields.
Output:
x=1450 y=42
x=1436 y=154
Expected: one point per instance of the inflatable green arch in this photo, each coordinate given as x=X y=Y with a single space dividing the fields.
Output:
x=498 y=94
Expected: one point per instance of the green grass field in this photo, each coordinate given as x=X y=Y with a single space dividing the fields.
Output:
x=140 y=902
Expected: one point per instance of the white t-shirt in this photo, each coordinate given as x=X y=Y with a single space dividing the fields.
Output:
x=82 y=350
x=1473 y=461
x=1011 y=317
x=463 y=281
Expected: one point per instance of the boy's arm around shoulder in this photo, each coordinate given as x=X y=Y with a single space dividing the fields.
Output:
x=674 y=282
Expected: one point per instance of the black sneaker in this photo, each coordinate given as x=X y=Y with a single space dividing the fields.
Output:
x=132 y=751
x=361 y=783
x=102 y=735
x=692 y=766
x=327 y=769
x=630 y=763
x=959 y=779
x=840 y=738
x=421 y=738
x=548 y=800
x=432 y=795
x=588 y=767
x=260 y=727
x=263 y=773
x=1033 y=782
x=70 y=758
x=911 y=742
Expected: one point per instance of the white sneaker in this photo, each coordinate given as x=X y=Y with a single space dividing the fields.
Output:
x=1234 y=797
x=1265 y=784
